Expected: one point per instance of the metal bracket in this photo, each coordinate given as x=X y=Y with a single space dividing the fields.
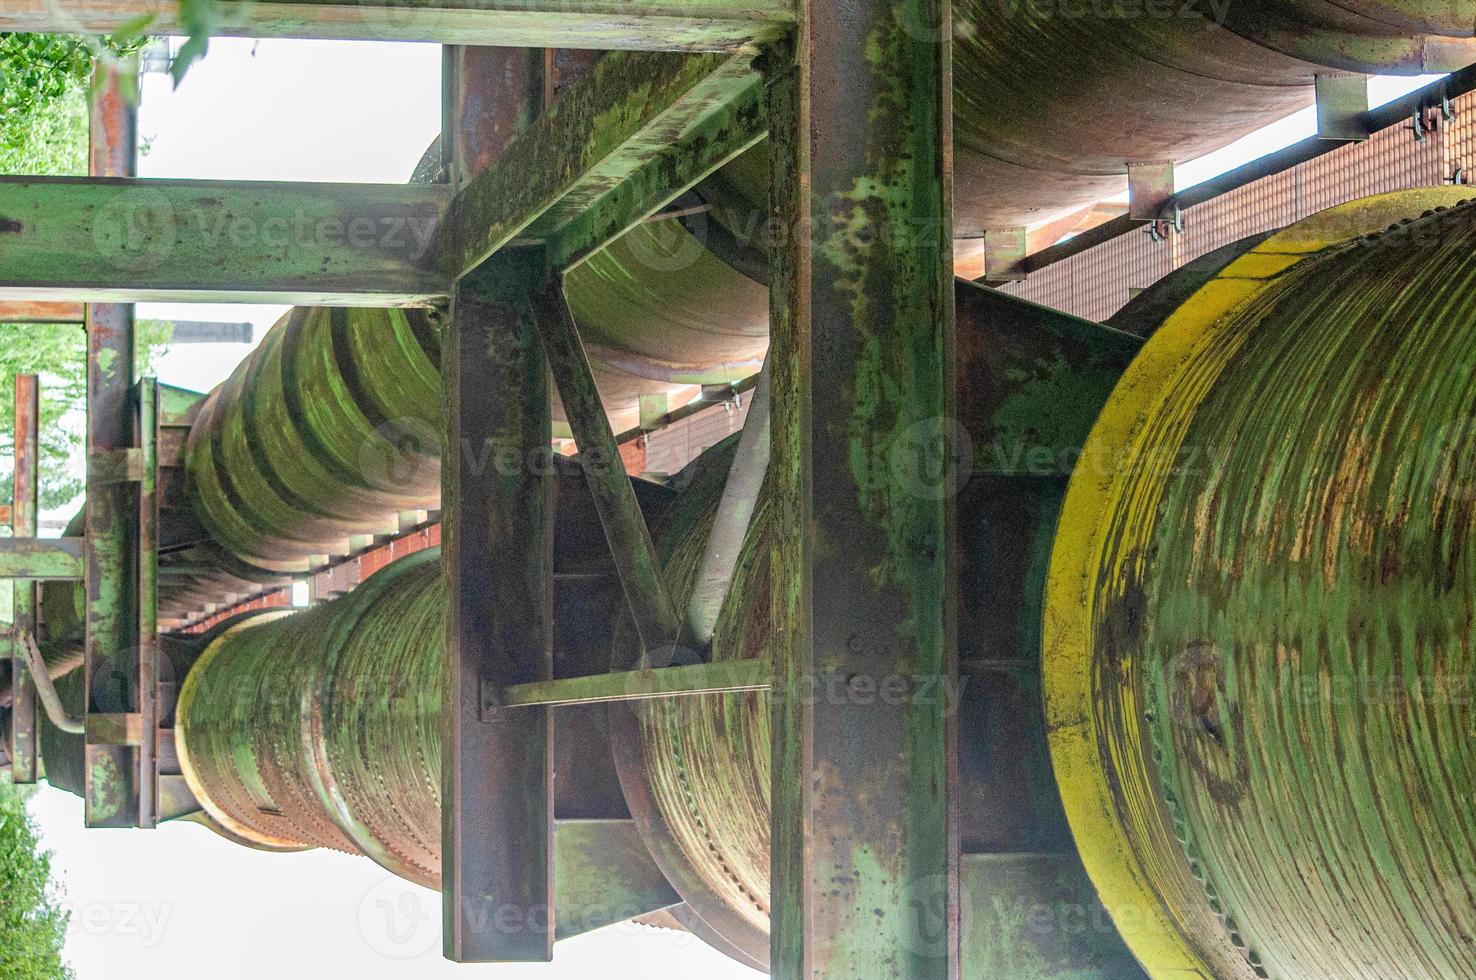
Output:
x=110 y=466
x=1151 y=192
x=1004 y=255
x=1160 y=230
x=1342 y=106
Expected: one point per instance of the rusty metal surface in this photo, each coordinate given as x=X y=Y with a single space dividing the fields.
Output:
x=658 y=308
x=111 y=662
x=864 y=850
x=24 y=513
x=1257 y=654
x=496 y=785
x=656 y=618
x=323 y=728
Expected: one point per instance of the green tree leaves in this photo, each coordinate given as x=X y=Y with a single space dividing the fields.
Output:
x=33 y=927
x=44 y=84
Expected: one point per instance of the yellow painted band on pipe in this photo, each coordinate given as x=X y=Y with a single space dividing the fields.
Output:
x=1158 y=386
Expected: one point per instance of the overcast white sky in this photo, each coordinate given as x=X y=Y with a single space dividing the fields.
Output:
x=179 y=902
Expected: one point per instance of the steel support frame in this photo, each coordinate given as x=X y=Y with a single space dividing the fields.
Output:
x=120 y=661
x=864 y=835
x=23 y=522
x=668 y=25
x=639 y=567
x=497 y=532
x=104 y=239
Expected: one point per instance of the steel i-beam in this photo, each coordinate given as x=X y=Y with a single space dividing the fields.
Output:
x=111 y=572
x=23 y=513
x=864 y=875
x=497 y=532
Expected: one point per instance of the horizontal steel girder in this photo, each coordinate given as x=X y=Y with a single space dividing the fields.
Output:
x=675 y=25
x=40 y=559
x=628 y=137
x=640 y=685
x=128 y=240
x=617 y=147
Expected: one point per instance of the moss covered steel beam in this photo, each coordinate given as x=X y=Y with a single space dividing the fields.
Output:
x=630 y=110
x=698 y=145
x=107 y=239
x=24 y=511
x=675 y=25
x=41 y=559
x=110 y=662
x=497 y=504
x=864 y=852
x=497 y=527
x=146 y=601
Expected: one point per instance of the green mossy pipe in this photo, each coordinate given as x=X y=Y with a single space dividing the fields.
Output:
x=1268 y=605
x=321 y=728
x=333 y=424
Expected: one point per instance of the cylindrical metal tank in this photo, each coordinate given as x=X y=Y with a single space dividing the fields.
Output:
x=334 y=423
x=1258 y=624
x=322 y=728
x=1256 y=635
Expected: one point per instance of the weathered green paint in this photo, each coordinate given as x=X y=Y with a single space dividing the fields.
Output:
x=657 y=622
x=24 y=510
x=293 y=738
x=326 y=430
x=146 y=541
x=603 y=875
x=695 y=769
x=677 y=25
x=1031 y=382
x=604 y=128
x=629 y=187
x=640 y=685
x=123 y=240
x=1277 y=614
x=1036 y=917
x=864 y=846
x=498 y=530
x=110 y=666
x=41 y=559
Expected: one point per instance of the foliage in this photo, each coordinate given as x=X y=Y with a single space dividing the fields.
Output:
x=200 y=19
x=33 y=927
x=44 y=84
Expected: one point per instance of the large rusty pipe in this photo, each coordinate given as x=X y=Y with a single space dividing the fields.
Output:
x=1258 y=622
x=333 y=424
x=1326 y=553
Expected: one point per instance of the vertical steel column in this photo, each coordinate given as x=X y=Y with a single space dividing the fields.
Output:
x=497 y=513
x=23 y=511
x=147 y=544
x=864 y=828
x=112 y=778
